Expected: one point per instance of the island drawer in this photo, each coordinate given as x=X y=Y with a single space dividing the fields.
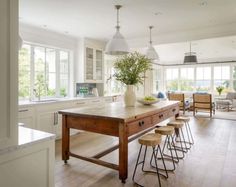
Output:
x=139 y=125
x=173 y=111
x=157 y=118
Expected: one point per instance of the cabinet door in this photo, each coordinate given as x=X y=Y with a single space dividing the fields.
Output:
x=99 y=65
x=89 y=64
x=46 y=122
x=26 y=116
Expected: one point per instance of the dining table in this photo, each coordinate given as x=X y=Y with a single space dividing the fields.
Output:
x=114 y=119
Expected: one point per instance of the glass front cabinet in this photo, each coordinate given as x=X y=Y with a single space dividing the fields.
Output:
x=93 y=65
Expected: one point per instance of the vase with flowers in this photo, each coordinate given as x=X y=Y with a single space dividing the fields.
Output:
x=220 y=89
x=129 y=70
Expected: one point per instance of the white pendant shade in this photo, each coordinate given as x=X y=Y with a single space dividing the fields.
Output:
x=117 y=45
x=152 y=54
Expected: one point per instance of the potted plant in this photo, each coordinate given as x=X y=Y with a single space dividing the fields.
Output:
x=129 y=70
x=219 y=89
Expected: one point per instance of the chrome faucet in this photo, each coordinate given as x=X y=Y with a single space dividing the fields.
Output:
x=36 y=94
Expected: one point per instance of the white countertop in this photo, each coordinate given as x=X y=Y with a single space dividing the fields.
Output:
x=56 y=100
x=28 y=137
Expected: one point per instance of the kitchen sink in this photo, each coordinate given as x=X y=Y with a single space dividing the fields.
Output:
x=45 y=100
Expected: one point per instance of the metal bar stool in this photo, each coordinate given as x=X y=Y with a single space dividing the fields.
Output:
x=186 y=120
x=168 y=131
x=177 y=124
x=152 y=140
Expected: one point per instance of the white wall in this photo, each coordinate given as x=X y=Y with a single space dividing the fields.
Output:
x=8 y=72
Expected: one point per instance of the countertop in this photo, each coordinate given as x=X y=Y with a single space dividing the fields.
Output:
x=56 y=100
x=27 y=137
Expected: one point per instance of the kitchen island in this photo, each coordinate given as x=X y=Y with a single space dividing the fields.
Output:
x=114 y=119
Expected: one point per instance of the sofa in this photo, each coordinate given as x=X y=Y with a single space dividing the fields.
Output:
x=228 y=102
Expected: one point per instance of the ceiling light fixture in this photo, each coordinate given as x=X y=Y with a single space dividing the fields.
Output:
x=117 y=45
x=151 y=52
x=190 y=57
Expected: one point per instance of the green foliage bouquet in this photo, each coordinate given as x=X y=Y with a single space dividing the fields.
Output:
x=129 y=69
x=220 y=89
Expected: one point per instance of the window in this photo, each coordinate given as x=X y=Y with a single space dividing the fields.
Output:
x=24 y=71
x=43 y=72
x=203 y=79
x=186 y=79
x=157 y=79
x=111 y=85
x=234 y=78
x=222 y=77
x=172 y=75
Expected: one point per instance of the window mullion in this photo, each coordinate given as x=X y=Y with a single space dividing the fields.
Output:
x=32 y=74
x=57 y=73
x=45 y=72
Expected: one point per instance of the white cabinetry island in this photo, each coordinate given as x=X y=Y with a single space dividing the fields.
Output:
x=30 y=162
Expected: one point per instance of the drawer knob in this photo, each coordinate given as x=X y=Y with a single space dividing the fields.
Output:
x=140 y=123
x=173 y=110
x=161 y=116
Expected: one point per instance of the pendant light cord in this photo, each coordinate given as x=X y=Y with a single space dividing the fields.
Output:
x=150 y=27
x=117 y=17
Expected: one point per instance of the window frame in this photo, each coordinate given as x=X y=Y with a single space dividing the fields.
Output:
x=57 y=70
x=212 y=89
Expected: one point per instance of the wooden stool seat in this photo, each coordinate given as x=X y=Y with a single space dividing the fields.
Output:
x=183 y=118
x=151 y=139
x=165 y=130
x=176 y=124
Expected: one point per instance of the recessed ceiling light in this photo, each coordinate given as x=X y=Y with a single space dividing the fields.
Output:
x=158 y=13
x=45 y=26
x=66 y=32
x=203 y=3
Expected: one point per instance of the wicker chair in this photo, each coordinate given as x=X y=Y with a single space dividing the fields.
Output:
x=183 y=105
x=203 y=102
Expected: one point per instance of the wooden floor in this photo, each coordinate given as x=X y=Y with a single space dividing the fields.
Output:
x=211 y=162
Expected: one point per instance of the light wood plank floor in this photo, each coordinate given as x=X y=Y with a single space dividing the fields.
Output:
x=211 y=162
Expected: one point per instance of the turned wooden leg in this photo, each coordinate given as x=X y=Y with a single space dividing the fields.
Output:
x=65 y=139
x=123 y=153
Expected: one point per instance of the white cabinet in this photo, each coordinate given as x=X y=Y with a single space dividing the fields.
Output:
x=93 y=65
x=108 y=99
x=90 y=63
x=45 y=116
x=48 y=119
x=26 y=116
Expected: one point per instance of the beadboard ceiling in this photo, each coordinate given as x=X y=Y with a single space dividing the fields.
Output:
x=175 y=22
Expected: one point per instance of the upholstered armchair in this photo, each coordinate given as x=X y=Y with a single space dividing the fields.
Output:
x=228 y=102
x=203 y=102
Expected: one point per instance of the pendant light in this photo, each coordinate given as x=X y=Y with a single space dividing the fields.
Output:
x=191 y=57
x=117 y=45
x=151 y=52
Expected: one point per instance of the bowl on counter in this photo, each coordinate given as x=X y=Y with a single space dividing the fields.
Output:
x=148 y=102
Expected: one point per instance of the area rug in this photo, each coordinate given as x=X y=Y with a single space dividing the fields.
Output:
x=219 y=114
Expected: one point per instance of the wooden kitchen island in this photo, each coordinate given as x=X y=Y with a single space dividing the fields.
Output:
x=114 y=119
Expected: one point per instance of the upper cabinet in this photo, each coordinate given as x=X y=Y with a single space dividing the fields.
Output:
x=90 y=64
